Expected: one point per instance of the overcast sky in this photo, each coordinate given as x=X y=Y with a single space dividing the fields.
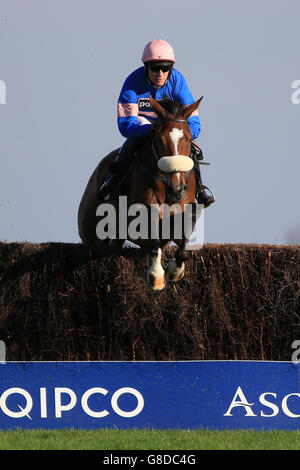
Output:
x=63 y=63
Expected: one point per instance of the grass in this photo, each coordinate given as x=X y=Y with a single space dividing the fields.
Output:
x=108 y=439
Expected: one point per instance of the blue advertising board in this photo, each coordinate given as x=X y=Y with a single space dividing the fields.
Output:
x=156 y=395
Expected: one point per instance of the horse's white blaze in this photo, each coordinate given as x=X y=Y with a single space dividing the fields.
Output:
x=176 y=135
x=176 y=162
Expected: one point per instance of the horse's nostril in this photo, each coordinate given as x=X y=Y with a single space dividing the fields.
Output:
x=185 y=187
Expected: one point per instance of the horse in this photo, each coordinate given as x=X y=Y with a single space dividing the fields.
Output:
x=161 y=176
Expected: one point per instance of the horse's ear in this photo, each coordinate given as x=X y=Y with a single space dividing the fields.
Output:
x=191 y=108
x=158 y=108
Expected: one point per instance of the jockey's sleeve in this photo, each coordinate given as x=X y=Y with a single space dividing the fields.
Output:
x=195 y=126
x=129 y=123
x=182 y=94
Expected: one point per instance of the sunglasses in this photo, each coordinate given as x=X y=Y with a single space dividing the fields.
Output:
x=157 y=68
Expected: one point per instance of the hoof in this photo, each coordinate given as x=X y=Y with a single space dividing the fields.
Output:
x=156 y=274
x=156 y=283
x=173 y=272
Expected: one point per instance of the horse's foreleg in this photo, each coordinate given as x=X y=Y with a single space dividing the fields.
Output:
x=175 y=268
x=116 y=243
x=156 y=274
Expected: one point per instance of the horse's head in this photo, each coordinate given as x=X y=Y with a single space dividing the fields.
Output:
x=172 y=144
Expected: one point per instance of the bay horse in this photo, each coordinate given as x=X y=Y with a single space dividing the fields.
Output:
x=160 y=176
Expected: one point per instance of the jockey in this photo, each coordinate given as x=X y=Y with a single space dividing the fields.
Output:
x=160 y=79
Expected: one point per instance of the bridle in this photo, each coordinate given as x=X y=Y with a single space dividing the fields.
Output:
x=175 y=120
x=165 y=177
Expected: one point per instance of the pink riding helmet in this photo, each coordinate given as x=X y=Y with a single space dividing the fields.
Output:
x=158 y=50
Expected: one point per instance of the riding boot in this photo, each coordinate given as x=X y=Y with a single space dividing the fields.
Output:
x=112 y=183
x=202 y=196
